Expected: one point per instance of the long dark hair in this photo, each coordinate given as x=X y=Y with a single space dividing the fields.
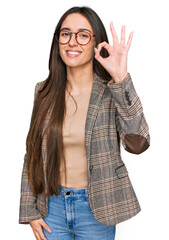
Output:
x=52 y=93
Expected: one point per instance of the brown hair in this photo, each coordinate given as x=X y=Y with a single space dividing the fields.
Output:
x=52 y=93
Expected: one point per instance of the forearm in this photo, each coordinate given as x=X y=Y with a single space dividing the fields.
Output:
x=27 y=209
x=130 y=119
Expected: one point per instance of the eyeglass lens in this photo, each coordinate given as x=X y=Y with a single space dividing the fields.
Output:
x=81 y=37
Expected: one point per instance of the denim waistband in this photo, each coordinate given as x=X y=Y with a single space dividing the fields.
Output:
x=74 y=192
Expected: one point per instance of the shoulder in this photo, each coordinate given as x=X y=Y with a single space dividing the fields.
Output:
x=39 y=86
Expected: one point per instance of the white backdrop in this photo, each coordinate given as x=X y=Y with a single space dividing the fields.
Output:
x=26 y=31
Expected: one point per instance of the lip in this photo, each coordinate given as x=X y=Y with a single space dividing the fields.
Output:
x=73 y=51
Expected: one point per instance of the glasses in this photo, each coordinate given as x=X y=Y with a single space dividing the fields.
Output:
x=82 y=37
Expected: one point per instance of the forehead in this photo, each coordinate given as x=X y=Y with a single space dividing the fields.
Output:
x=76 y=21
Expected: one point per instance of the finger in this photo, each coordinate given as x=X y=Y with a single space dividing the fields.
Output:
x=46 y=227
x=39 y=232
x=129 y=41
x=114 y=34
x=97 y=53
x=106 y=46
x=42 y=235
x=122 y=41
x=98 y=56
x=37 y=235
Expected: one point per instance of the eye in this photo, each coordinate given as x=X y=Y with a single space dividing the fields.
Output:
x=64 y=34
x=83 y=35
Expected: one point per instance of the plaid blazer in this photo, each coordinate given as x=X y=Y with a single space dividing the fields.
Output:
x=113 y=108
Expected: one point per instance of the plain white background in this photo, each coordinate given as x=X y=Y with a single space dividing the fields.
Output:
x=26 y=31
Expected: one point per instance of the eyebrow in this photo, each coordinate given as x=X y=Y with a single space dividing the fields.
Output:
x=79 y=29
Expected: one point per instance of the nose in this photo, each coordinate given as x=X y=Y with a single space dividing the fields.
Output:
x=73 y=41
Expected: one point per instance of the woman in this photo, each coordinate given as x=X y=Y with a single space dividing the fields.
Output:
x=74 y=182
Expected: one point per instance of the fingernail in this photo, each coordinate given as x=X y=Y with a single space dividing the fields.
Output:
x=50 y=230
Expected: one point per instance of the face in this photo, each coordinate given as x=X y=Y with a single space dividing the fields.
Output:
x=72 y=53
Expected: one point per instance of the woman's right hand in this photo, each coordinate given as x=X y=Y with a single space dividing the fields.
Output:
x=36 y=226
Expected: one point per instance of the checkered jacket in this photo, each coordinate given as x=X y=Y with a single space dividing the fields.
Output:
x=113 y=107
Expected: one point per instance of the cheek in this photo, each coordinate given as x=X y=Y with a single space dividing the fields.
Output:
x=90 y=52
x=61 y=53
x=61 y=48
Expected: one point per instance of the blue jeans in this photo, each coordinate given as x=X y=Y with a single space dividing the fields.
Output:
x=70 y=217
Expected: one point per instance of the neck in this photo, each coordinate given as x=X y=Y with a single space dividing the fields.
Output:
x=80 y=80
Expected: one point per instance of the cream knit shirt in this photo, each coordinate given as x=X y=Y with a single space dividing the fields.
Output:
x=74 y=142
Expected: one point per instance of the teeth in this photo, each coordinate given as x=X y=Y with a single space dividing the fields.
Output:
x=75 y=53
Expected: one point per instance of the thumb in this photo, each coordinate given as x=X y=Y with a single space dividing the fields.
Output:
x=46 y=227
x=96 y=53
x=98 y=56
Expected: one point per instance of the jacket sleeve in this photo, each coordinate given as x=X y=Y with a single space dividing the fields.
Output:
x=27 y=211
x=130 y=120
x=27 y=208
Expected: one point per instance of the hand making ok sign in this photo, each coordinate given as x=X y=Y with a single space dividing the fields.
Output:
x=116 y=63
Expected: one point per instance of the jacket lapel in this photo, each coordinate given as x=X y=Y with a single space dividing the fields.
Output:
x=94 y=105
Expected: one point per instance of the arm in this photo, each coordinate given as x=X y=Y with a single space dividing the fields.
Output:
x=130 y=120
x=27 y=209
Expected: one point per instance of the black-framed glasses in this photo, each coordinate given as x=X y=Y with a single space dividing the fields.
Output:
x=82 y=37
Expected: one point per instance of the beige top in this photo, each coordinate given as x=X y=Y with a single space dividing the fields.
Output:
x=74 y=142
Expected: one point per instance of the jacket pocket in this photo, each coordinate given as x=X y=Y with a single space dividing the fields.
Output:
x=121 y=170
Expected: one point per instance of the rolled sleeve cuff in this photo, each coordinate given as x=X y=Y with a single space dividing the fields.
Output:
x=118 y=86
x=28 y=213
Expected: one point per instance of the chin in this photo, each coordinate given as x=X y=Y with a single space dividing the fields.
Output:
x=73 y=62
x=76 y=63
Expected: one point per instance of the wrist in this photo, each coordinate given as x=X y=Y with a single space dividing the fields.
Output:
x=119 y=79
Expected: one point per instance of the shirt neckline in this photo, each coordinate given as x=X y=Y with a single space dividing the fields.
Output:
x=77 y=96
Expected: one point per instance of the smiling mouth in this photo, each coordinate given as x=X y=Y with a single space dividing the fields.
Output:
x=73 y=53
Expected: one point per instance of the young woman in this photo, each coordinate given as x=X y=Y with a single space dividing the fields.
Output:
x=74 y=182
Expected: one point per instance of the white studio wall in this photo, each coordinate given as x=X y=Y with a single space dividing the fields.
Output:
x=26 y=33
